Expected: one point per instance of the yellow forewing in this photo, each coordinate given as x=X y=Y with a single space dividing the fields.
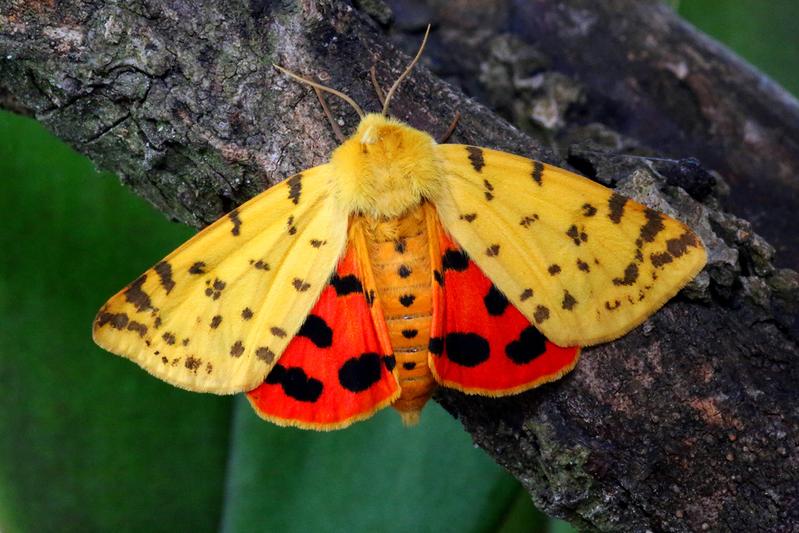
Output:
x=215 y=314
x=583 y=263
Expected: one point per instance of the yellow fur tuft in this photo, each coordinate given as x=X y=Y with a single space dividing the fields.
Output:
x=386 y=168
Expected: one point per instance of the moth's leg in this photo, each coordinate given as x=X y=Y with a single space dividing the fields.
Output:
x=447 y=134
x=378 y=91
x=336 y=130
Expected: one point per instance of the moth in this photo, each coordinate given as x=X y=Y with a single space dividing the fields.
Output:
x=398 y=266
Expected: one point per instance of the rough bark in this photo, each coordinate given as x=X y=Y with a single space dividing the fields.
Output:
x=689 y=422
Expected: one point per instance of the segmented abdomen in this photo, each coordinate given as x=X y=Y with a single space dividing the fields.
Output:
x=399 y=253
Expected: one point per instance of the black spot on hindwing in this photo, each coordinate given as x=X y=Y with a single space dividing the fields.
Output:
x=359 y=373
x=530 y=344
x=295 y=383
x=466 y=349
x=436 y=345
x=317 y=331
x=347 y=285
x=455 y=260
x=495 y=301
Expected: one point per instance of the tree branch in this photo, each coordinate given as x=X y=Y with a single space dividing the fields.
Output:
x=688 y=422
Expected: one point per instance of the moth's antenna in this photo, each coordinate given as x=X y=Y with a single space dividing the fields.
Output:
x=404 y=74
x=322 y=88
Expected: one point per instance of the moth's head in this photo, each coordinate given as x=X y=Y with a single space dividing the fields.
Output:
x=385 y=168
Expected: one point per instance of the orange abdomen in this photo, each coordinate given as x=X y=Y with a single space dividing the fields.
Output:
x=399 y=251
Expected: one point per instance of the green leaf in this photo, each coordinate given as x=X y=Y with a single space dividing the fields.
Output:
x=375 y=476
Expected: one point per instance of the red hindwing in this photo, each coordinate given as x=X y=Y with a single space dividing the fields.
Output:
x=335 y=370
x=480 y=342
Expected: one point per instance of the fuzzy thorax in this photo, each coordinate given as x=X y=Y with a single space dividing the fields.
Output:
x=385 y=168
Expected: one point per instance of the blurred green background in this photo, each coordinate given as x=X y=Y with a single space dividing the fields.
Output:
x=88 y=442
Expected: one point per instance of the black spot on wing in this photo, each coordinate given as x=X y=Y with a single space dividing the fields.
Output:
x=261 y=265
x=234 y=218
x=568 y=302
x=526 y=294
x=246 y=313
x=528 y=346
x=468 y=217
x=138 y=327
x=529 y=220
x=265 y=354
x=399 y=245
x=677 y=247
x=164 y=271
x=359 y=373
x=214 y=290
x=495 y=302
x=438 y=277
x=215 y=321
x=630 y=275
x=541 y=314
x=436 y=345
x=295 y=383
x=409 y=365
x=589 y=210
x=169 y=338
x=347 y=285
x=553 y=269
x=455 y=260
x=661 y=258
x=278 y=332
x=538 y=171
x=616 y=204
x=317 y=331
x=476 y=158
x=237 y=349
x=467 y=349
x=576 y=235
x=390 y=361
x=582 y=265
x=404 y=271
x=300 y=285
x=115 y=320
x=295 y=188
x=192 y=363
x=197 y=268
x=654 y=225
x=493 y=250
x=136 y=296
